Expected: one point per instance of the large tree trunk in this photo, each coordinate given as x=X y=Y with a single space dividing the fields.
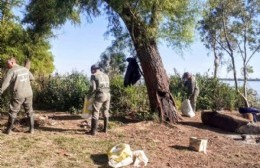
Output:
x=155 y=76
x=157 y=82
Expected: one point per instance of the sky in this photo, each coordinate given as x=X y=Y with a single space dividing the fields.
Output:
x=77 y=47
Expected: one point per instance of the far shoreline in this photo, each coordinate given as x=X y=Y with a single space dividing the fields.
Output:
x=239 y=79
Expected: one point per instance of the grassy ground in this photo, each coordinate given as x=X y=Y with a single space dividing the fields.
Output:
x=62 y=143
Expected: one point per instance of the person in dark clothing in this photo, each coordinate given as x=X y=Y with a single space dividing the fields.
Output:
x=19 y=79
x=192 y=88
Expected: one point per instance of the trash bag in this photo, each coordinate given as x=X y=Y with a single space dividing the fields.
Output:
x=120 y=155
x=140 y=159
x=87 y=108
x=186 y=108
x=132 y=74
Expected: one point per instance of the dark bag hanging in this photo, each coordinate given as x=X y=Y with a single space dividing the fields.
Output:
x=132 y=74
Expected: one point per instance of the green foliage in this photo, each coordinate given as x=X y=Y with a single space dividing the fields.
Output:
x=170 y=20
x=232 y=27
x=112 y=63
x=177 y=89
x=62 y=92
x=16 y=42
x=132 y=100
x=4 y=101
x=214 y=94
x=49 y=14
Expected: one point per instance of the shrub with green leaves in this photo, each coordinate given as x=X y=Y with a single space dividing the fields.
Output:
x=214 y=94
x=177 y=90
x=132 y=100
x=62 y=92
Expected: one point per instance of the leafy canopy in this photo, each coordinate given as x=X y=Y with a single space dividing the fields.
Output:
x=16 y=41
x=171 y=20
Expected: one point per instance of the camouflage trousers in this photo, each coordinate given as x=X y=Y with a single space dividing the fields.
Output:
x=193 y=99
x=101 y=100
x=16 y=104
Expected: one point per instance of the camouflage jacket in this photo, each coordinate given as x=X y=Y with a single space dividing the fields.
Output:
x=99 y=83
x=192 y=86
x=19 y=79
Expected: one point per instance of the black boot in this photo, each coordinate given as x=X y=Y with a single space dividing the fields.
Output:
x=10 y=125
x=105 y=124
x=94 y=125
x=31 y=120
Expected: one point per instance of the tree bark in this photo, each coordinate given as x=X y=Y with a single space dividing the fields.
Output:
x=216 y=59
x=222 y=121
x=229 y=123
x=155 y=76
x=157 y=83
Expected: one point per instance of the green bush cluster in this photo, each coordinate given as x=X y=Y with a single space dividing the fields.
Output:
x=4 y=99
x=129 y=101
x=67 y=92
x=214 y=94
x=177 y=90
x=62 y=92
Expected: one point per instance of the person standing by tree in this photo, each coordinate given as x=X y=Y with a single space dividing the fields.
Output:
x=192 y=88
x=100 y=90
x=19 y=79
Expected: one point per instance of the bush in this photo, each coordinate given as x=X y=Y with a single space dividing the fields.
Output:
x=132 y=100
x=177 y=90
x=214 y=94
x=62 y=92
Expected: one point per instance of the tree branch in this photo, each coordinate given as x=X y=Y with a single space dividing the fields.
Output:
x=250 y=57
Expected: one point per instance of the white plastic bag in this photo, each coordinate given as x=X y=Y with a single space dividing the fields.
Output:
x=141 y=159
x=87 y=108
x=186 y=108
x=120 y=155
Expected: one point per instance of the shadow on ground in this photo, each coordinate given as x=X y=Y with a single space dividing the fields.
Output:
x=65 y=117
x=179 y=147
x=125 y=120
x=205 y=127
x=52 y=129
x=100 y=159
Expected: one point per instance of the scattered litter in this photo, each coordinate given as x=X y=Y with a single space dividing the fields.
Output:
x=121 y=155
x=85 y=124
x=198 y=144
x=140 y=158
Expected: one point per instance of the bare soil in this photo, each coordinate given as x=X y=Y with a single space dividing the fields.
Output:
x=60 y=141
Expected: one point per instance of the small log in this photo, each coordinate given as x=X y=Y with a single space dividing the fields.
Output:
x=198 y=144
x=223 y=121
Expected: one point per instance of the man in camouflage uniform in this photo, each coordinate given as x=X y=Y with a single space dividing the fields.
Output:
x=100 y=90
x=19 y=79
x=192 y=88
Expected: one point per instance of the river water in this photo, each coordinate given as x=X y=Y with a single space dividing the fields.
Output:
x=255 y=85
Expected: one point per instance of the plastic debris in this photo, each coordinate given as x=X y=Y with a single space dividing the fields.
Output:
x=140 y=159
x=120 y=155
x=186 y=108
